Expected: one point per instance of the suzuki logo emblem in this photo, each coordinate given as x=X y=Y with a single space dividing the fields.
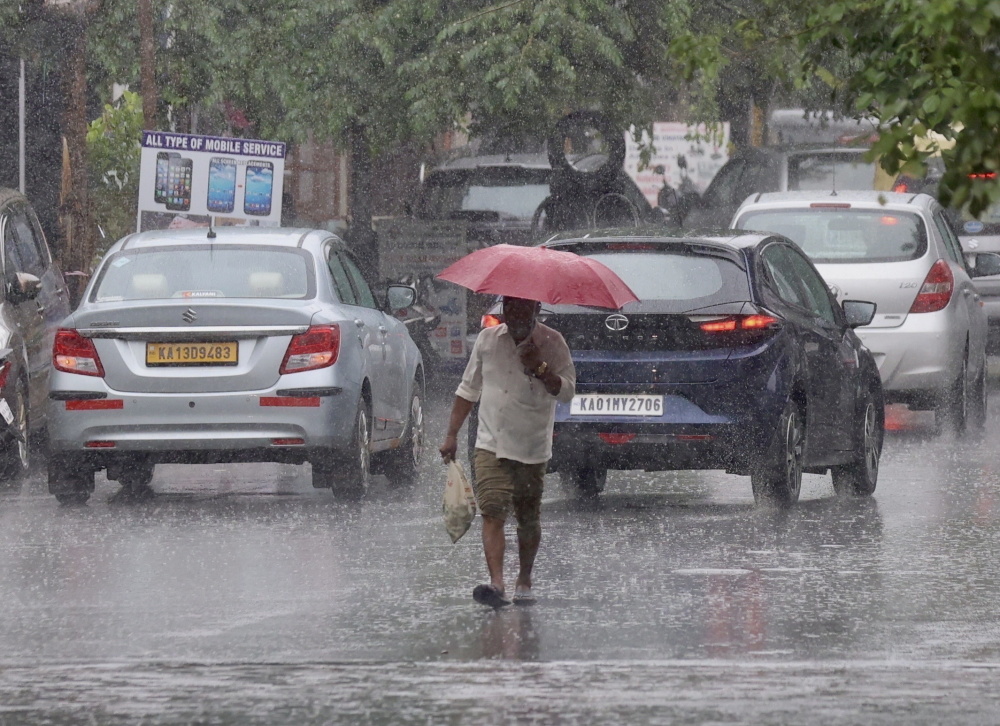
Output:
x=189 y=316
x=616 y=322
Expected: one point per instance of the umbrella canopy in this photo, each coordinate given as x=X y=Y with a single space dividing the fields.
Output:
x=539 y=273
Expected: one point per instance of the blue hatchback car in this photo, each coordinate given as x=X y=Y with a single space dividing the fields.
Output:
x=736 y=357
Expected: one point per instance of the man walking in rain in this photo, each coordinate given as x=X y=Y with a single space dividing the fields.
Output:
x=517 y=372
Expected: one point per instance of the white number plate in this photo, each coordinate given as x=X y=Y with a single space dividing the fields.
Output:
x=608 y=404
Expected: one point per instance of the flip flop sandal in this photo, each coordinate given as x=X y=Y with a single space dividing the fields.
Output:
x=524 y=596
x=489 y=595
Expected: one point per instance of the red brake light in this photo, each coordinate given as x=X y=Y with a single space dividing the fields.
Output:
x=901 y=187
x=490 y=321
x=72 y=353
x=984 y=175
x=935 y=293
x=830 y=205
x=740 y=322
x=318 y=347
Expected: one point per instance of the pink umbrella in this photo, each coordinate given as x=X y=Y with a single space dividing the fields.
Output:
x=539 y=273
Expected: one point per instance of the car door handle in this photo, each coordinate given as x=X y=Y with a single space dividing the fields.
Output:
x=359 y=322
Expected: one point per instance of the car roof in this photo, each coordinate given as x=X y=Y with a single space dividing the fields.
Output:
x=272 y=236
x=854 y=197
x=526 y=161
x=728 y=239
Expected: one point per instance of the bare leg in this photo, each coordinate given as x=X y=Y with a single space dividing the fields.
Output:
x=527 y=548
x=493 y=546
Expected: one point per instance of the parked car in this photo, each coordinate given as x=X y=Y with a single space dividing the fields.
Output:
x=33 y=302
x=736 y=357
x=772 y=169
x=898 y=250
x=242 y=344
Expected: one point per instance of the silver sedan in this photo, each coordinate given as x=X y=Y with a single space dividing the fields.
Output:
x=243 y=344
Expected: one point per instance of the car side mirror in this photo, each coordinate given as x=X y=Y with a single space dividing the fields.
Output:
x=25 y=287
x=400 y=297
x=984 y=264
x=858 y=312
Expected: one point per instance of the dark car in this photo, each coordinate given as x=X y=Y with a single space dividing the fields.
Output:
x=33 y=301
x=736 y=357
x=772 y=169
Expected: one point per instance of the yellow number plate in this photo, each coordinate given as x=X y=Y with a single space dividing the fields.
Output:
x=192 y=354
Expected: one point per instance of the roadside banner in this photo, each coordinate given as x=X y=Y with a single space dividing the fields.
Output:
x=685 y=157
x=189 y=181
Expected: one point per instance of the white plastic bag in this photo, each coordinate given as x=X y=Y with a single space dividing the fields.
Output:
x=459 y=502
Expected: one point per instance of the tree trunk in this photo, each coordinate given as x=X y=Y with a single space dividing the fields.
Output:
x=360 y=235
x=77 y=247
x=147 y=64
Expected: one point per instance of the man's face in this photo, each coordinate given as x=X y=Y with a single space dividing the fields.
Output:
x=519 y=314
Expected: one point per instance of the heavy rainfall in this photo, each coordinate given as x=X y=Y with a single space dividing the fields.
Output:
x=396 y=362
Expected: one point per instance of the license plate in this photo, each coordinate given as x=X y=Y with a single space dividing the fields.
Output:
x=192 y=354
x=608 y=404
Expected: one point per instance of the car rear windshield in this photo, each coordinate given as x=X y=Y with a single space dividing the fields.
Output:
x=205 y=272
x=811 y=172
x=691 y=281
x=845 y=235
x=509 y=193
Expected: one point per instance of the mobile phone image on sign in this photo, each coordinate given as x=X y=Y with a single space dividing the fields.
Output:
x=179 y=184
x=221 y=185
x=160 y=191
x=260 y=181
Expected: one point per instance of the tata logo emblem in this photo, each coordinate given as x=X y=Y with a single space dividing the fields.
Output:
x=189 y=315
x=616 y=322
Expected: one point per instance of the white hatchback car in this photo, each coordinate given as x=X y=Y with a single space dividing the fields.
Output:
x=897 y=250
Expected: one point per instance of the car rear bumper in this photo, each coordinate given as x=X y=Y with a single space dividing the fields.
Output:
x=921 y=357
x=243 y=426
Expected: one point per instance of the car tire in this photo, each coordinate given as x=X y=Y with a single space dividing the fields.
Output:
x=586 y=481
x=953 y=409
x=67 y=482
x=402 y=464
x=778 y=479
x=348 y=476
x=979 y=400
x=15 y=455
x=859 y=477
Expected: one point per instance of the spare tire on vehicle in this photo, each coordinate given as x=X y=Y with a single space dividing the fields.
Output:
x=581 y=161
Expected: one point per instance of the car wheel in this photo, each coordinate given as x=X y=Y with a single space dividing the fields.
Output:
x=67 y=482
x=979 y=400
x=16 y=452
x=953 y=410
x=779 y=479
x=348 y=476
x=859 y=477
x=401 y=464
x=586 y=481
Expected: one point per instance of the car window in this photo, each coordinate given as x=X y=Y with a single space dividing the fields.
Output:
x=341 y=281
x=29 y=251
x=195 y=272
x=362 y=292
x=841 y=235
x=686 y=279
x=509 y=193
x=816 y=294
x=830 y=171
x=11 y=262
x=951 y=244
x=43 y=248
x=782 y=278
x=727 y=186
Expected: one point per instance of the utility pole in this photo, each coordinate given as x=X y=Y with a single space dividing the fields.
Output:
x=147 y=64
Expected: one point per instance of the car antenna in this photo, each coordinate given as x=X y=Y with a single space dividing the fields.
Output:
x=833 y=193
x=211 y=232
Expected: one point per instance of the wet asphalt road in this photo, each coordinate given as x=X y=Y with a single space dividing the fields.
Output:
x=240 y=595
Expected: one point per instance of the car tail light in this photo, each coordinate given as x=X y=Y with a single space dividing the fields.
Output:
x=490 y=321
x=616 y=439
x=318 y=347
x=902 y=187
x=935 y=293
x=830 y=205
x=740 y=322
x=72 y=353
x=984 y=175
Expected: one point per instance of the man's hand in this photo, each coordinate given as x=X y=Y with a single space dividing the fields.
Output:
x=531 y=358
x=449 y=449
